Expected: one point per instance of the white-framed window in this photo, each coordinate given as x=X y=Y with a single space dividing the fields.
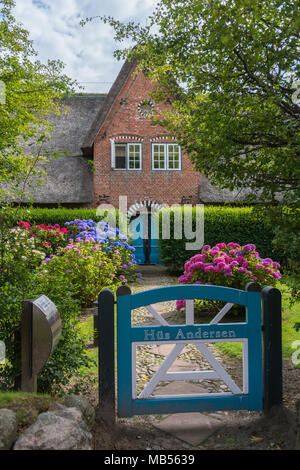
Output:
x=126 y=155
x=166 y=157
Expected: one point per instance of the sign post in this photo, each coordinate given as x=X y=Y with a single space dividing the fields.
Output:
x=40 y=333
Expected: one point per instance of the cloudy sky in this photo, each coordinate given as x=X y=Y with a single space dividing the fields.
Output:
x=87 y=52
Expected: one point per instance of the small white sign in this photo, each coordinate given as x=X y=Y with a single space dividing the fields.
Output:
x=2 y=92
x=2 y=352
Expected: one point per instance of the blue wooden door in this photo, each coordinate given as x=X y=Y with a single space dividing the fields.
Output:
x=144 y=232
x=250 y=397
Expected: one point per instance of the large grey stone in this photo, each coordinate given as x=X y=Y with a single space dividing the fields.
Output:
x=64 y=429
x=8 y=428
x=87 y=410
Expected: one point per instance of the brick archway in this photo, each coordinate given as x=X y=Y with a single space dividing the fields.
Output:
x=151 y=206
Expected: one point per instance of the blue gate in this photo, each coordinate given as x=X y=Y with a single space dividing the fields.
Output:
x=249 y=333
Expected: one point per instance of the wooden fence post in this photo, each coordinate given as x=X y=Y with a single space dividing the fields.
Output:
x=95 y=324
x=106 y=355
x=272 y=334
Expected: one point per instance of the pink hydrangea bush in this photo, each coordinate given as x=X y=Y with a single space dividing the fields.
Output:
x=48 y=238
x=229 y=265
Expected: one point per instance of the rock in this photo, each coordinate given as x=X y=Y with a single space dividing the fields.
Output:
x=87 y=410
x=8 y=428
x=55 y=406
x=63 y=429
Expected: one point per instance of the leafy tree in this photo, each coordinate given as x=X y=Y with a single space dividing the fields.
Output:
x=29 y=92
x=232 y=68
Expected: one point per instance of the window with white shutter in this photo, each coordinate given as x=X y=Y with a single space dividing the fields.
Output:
x=126 y=156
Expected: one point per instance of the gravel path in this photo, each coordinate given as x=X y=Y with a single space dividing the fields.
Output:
x=149 y=358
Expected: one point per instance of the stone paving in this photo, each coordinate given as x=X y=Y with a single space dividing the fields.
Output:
x=192 y=428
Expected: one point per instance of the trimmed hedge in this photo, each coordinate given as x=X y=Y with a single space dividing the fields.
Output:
x=221 y=224
x=62 y=215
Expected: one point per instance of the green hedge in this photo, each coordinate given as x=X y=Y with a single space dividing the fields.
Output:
x=221 y=224
x=61 y=215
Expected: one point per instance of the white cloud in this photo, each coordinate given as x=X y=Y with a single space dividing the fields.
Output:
x=86 y=52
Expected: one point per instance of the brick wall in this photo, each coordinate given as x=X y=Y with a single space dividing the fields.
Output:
x=125 y=121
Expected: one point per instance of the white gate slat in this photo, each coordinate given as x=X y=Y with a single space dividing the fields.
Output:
x=219 y=369
x=133 y=368
x=189 y=312
x=245 y=367
x=192 y=375
x=156 y=315
x=221 y=313
x=159 y=375
x=190 y=395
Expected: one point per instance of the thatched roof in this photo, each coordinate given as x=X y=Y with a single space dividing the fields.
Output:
x=117 y=86
x=72 y=126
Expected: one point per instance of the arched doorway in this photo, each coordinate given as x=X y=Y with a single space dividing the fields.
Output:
x=144 y=231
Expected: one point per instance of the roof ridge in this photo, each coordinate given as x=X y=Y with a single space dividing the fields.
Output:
x=79 y=95
x=114 y=91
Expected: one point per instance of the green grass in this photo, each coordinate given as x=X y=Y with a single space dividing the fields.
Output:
x=290 y=316
x=93 y=354
x=231 y=349
x=86 y=328
x=27 y=406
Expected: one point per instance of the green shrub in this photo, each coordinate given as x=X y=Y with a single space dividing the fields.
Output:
x=221 y=224
x=19 y=279
x=70 y=355
x=85 y=268
x=36 y=216
x=63 y=369
x=10 y=320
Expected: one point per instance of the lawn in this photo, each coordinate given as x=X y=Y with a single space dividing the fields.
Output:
x=86 y=327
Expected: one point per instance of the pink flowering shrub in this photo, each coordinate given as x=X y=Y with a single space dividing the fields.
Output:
x=229 y=265
x=48 y=238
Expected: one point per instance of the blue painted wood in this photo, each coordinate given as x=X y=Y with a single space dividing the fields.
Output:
x=137 y=227
x=190 y=291
x=192 y=404
x=154 y=257
x=189 y=332
x=124 y=381
x=254 y=320
x=127 y=335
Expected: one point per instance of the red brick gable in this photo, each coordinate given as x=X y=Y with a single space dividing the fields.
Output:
x=123 y=122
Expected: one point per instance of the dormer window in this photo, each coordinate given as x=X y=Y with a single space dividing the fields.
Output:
x=126 y=156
